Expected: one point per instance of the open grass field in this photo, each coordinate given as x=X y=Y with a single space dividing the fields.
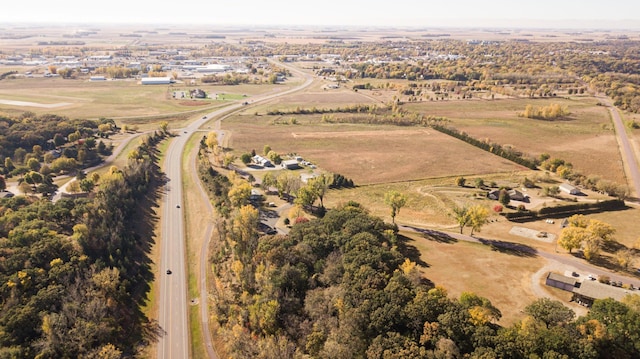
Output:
x=505 y=279
x=366 y=154
x=586 y=138
x=113 y=99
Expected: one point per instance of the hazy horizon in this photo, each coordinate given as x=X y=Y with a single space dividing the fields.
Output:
x=571 y=14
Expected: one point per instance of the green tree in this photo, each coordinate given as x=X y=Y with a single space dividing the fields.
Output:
x=19 y=155
x=3 y=183
x=503 y=197
x=245 y=158
x=396 y=201
x=321 y=185
x=59 y=140
x=33 y=164
x=8 y=164
x=460 y=181
x=306 y=196
x=550 y=312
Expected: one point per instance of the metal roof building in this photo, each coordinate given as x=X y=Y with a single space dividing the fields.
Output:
x=156 y=80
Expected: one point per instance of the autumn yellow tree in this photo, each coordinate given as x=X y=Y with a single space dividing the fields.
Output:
x=395 y=200
x=478 y=216
x=571 y=237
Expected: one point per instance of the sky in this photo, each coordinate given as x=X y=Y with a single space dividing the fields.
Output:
x=386 y=13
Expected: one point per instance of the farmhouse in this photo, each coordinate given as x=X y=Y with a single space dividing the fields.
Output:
x=156 y=80
x=514 y=194
x=259 y=160
x=290 y=164
x=567 y=188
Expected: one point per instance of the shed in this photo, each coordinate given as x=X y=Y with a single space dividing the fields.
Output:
x=290 y=164
x=567 y=188
x=560 y=281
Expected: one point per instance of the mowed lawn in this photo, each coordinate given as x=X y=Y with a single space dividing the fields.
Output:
x=585 y=138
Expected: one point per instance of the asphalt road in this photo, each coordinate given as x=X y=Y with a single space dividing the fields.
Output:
x=626 y=150
x=173 y=302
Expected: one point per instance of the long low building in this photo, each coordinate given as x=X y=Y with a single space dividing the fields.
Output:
x=587 y=291
x=156 y=80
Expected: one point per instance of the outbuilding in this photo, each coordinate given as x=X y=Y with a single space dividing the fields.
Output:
x=560 y=281
x=290 y=164
x=567 y=188
x=156 y=80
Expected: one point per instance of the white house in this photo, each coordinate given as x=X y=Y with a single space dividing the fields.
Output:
x=257 y=159
x=567 y=188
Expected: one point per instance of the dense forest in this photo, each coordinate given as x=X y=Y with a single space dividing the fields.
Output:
x=75 y=273
x=343 y=286
x=36 y=148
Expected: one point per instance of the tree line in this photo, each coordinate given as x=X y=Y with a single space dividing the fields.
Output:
x=75 y=274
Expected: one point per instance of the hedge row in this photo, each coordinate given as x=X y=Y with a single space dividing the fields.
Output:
x=489 y=147
x=566 y=210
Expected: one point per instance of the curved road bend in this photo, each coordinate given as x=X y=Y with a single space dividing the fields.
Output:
x=173 y=313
